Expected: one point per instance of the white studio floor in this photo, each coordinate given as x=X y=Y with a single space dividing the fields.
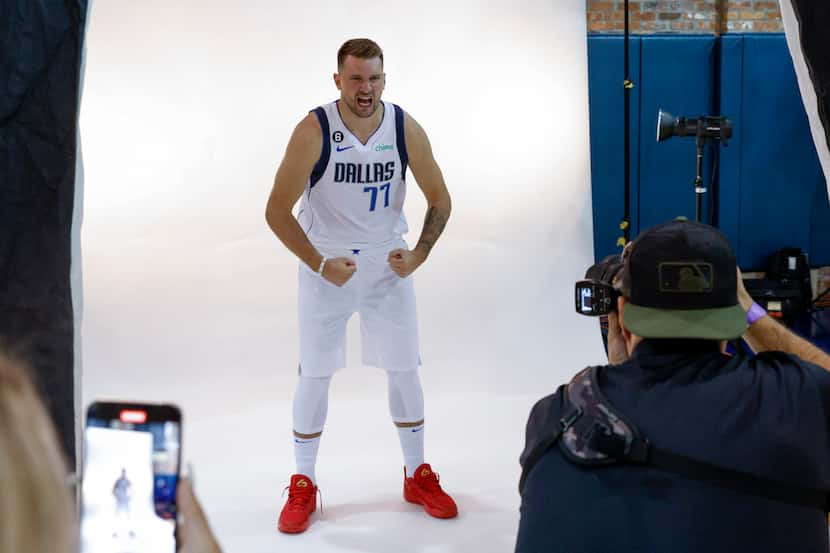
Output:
x=242 y=456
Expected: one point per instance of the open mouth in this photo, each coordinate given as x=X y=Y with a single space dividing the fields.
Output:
x=364 y=102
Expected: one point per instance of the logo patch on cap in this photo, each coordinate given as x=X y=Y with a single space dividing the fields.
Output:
x=686 y=277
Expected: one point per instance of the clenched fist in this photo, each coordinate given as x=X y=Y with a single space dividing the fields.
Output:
x=403 y=261
x=339 y=270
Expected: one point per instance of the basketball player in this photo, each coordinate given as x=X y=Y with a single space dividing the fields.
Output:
x=122 y=491
x=348 y=161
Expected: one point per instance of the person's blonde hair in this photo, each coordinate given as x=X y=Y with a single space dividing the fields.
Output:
x=36 y=511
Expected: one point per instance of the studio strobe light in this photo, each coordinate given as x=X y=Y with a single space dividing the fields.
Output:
x=704 y=128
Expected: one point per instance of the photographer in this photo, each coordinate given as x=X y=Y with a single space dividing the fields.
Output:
x=677 y=446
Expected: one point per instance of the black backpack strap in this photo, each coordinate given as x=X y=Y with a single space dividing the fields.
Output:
x=640 y=451
x=544 y=427
x=738 y=481
x=602 y=432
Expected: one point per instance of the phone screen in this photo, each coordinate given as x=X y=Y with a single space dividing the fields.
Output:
x=131 y=469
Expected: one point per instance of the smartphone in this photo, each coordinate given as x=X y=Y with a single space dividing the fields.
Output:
x=132 y=456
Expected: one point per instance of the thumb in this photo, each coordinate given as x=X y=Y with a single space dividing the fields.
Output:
x=189 y=506
x=196 y=535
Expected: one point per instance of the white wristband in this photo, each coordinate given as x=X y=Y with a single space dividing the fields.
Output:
x=322 y=266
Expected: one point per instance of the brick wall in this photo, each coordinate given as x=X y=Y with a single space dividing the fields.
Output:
x=686 y=16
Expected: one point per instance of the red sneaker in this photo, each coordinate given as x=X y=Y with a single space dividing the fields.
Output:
x=423 y=488
x=302 y=501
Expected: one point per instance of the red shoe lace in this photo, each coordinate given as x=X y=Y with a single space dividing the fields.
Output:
x=431 y=483
x=298 y=498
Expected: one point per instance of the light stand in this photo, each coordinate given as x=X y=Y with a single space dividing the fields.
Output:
x=700 y=190
x=704 y=128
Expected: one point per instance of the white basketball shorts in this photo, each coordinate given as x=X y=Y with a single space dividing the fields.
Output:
x=385 y=302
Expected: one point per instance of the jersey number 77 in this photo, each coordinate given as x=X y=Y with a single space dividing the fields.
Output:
x=374 y=195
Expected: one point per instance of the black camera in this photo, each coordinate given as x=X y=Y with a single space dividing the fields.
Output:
x=705 y=127
x=595 y=298
x=596 y=295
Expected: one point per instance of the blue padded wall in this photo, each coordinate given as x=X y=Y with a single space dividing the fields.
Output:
x=771 y=191
x=605 y=80
x=677 y=76
x=775 y=194
x=661 y=174
x=731 y=90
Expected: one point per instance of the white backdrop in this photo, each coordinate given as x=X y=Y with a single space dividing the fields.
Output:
x=187 y=108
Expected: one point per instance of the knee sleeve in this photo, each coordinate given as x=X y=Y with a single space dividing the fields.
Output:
x=406 y=397
x=311 y=404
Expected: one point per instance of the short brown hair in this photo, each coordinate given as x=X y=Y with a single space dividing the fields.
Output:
x=363 y=48
x=35 y=509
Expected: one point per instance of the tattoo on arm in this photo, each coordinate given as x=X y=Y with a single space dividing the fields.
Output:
x=434 y=224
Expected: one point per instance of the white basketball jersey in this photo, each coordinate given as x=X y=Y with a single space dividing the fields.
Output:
x=355 y=194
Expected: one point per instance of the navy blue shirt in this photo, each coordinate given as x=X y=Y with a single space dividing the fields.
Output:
x=767 y=415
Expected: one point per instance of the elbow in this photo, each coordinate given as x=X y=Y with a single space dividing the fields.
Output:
x=445 y=206
x=270 y=220
x=442 y=202
x=273 y=217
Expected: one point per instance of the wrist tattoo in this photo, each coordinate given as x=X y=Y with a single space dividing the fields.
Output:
x=434 y=223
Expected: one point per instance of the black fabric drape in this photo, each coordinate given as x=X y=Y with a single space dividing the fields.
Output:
x=40 y=58
x=813 y=19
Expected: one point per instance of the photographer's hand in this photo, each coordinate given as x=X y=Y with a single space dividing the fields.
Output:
x=617 y=350
x=766 y=334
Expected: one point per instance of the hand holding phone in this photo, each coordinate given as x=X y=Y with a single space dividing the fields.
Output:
x=131 y=471
x=194 y=532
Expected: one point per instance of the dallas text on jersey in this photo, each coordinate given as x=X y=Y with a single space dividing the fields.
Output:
x=363 y=173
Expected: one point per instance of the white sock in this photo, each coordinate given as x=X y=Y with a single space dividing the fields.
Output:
x=310 y=410
x=412 y=444
x=305 y=454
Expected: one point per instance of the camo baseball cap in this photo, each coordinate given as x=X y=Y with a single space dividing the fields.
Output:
x=680 y=281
